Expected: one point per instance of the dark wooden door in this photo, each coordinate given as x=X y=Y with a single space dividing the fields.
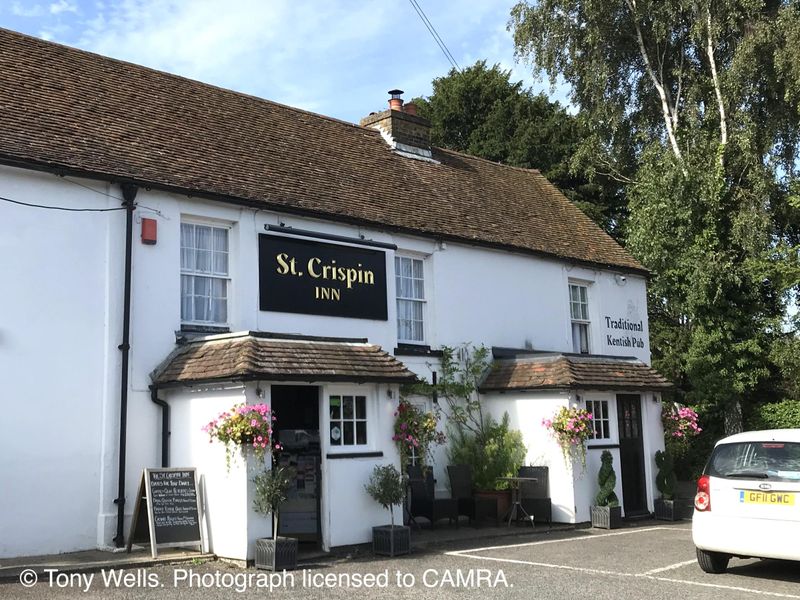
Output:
x=631 y=453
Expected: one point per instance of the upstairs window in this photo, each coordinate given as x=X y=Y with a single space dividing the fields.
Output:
x=579 y=313
x=410 y=284
x=204 y=274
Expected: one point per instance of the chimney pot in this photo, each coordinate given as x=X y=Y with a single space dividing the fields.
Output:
x=396 y=100
x=410 y=109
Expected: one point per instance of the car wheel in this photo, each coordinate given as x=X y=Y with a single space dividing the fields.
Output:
x=712 y=562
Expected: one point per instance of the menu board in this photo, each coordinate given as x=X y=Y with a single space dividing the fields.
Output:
x=167 y=510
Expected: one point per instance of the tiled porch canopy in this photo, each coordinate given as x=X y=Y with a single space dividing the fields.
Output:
x=569 y=371
x=253 y=355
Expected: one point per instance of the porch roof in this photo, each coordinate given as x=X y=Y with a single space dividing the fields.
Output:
x=250 y=356
x=568 y=371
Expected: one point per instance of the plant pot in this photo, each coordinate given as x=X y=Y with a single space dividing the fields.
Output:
x=391 y=540
x=276 y=555
x=502 y=497
x=606 y=517
x=667 y=510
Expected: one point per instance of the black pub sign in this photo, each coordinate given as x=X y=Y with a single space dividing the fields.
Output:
x=315 y=278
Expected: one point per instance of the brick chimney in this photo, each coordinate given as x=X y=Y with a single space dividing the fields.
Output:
x=401 y=127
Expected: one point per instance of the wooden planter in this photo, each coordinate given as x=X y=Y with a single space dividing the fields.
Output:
x=276 y=555
x=606 y=517
x=391 y=541
x=667 y=510
x=502 y=497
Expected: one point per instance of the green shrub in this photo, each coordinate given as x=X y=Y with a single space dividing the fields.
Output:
x=665 y=478
x=271 y=489
x=387 y=487
x=777 y=415
x=500 y=454
x=607 y=479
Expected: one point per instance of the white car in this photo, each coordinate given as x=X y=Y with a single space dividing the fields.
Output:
x=748 y=500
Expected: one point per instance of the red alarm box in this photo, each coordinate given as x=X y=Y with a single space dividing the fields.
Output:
x=149 y=231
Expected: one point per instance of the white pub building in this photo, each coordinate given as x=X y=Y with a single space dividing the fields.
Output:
x=170 y=248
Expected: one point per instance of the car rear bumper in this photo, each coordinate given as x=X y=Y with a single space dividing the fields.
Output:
x=757 y=538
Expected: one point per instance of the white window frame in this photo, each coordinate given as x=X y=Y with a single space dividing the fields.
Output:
x=422 y=301
x=584 y=320
x=370 y=419
x=227 y=227
x=591 y=405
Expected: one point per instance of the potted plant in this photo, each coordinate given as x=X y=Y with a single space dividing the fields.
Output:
x=607 y=513
x=415 y=432
x=387 y=487
x=665 y=507
x=491 y=448
x=276 y=553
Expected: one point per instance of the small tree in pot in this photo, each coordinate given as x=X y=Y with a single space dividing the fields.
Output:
x=387 y=487
x=607 y=513
x=277 y=553
x=666 y=481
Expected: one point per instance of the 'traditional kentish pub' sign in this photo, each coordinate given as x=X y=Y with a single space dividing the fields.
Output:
x=315 y=278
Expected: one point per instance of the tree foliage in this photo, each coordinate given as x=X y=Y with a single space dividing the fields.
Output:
x=481 y=112
x=695 y=107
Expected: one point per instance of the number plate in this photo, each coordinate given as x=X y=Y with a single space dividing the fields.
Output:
x=756 y=497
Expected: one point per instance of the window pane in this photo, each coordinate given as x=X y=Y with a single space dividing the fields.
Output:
x=361 y=407
x=580 y=338
x=202 y=237
x=220 y=239
x=221 y=263
x=336 y=408
x=336 y=433
x=361 y=432
x=348 y=433
x=203 y=261
x=347 y=407
x=417 y=269
x=186 y=297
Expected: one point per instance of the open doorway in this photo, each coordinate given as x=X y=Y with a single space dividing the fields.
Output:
x=296 y=408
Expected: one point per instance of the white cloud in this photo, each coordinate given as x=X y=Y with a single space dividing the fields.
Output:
x=18 y=10
x=336 y=57
x=63 y=6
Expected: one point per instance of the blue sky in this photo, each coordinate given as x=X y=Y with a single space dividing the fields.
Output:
x=334 y=57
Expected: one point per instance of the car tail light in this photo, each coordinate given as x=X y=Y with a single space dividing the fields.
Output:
x=702 y=499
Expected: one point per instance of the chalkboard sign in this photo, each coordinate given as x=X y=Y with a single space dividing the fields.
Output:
x=167 y=512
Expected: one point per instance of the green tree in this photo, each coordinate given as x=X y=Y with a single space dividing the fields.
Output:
x=694 y=107
x=480 y=111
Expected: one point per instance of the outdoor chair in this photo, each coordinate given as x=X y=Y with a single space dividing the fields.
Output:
x=535 y=495
x=423 y=501
x=473 y=507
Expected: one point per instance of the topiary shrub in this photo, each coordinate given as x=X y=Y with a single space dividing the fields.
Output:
x=666 y=479
x=387 y=487
x=607 y=479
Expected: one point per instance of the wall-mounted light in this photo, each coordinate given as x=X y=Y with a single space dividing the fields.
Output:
x=260 y=392
x=620 y=279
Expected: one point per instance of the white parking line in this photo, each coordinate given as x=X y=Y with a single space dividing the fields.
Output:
x=670 y=567
x=721 y=587
x=561 y=541
x=646 y=575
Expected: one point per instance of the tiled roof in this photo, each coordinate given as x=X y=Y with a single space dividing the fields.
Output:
x=562 y=371
x=246 y=356
x=76 y=112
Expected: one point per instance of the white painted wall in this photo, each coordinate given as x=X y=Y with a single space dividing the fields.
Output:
x=61 y=325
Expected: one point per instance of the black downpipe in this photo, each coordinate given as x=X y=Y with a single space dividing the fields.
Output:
x=165 y=432
x=129 y=195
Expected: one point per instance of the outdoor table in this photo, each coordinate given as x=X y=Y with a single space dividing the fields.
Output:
x=516 y=502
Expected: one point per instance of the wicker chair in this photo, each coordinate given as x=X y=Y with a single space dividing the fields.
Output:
x=423 y=501
x=461 y=487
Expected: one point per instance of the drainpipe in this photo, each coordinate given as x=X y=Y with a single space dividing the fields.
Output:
x=129 y=195
x=165 y=432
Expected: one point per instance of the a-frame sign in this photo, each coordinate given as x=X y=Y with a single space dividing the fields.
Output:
x=167 y=512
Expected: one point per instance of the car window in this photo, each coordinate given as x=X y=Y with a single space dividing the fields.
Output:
x=778 y=461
